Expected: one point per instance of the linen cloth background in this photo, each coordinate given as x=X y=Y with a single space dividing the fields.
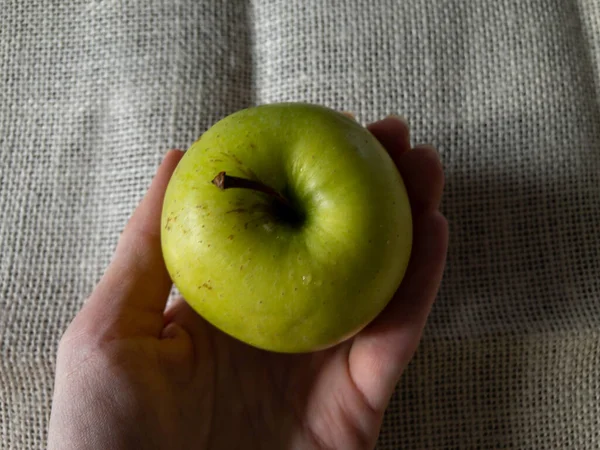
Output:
x=93 y=93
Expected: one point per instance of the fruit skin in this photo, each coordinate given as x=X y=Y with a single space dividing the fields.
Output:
x=278 y=286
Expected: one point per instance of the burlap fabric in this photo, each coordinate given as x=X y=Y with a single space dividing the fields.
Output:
x=92 y=93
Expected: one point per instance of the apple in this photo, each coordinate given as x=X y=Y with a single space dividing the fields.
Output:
x=287 y=226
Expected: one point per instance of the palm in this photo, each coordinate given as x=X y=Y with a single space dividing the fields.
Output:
x=186 y=384
x=285 y=401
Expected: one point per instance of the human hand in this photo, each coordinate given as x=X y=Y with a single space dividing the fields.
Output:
x=131 y=375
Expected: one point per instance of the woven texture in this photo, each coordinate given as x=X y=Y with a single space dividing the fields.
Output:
x=92 y=93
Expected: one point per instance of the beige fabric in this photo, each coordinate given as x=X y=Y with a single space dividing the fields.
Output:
x=93 y=93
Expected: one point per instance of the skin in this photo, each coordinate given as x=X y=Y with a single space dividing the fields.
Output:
x=271 y=282
x=131 y=375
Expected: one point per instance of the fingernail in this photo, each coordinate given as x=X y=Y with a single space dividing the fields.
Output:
x=349 y=114
x=427 y=146
x=402 y=119
x=171 y=150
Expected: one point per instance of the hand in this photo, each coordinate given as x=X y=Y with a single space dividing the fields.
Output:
x=131 y=375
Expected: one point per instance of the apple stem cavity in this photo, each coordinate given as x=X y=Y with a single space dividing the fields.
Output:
x=285 y=209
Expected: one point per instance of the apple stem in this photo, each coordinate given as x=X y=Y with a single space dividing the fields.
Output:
x=224 y=181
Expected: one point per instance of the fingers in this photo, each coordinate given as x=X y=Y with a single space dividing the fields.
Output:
x=380 y=353
x=393 y=133
x=420 y=168
x=423 y=176
x=136 y=277
x=413 y=300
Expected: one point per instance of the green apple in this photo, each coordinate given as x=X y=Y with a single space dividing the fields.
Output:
x=287 y=226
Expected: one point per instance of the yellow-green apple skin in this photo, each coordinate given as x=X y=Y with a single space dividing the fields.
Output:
x=280 y=283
